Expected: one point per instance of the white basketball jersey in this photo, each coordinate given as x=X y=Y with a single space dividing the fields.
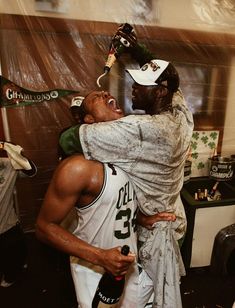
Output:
x=107 y=222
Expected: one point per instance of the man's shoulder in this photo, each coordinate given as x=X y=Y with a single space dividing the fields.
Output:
x=78 y=160
x=135 y=118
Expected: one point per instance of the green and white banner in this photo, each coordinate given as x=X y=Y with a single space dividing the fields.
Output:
x=13 y=95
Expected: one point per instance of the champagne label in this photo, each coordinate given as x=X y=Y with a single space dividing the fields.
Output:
x=111 y=59
x=108 y=300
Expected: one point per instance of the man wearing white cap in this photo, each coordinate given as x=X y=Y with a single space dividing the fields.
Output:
x=152 y=149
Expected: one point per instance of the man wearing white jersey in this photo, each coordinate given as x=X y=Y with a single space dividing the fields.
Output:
x=106 y=207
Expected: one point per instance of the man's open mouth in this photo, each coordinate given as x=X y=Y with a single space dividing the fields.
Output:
x=113 y=104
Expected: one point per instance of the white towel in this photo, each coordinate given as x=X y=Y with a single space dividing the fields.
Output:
x=18 y=161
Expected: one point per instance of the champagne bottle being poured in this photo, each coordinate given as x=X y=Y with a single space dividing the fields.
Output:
x=117 y=46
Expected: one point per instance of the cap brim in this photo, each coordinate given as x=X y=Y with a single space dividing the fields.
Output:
x=139 y=78
x=77 y=101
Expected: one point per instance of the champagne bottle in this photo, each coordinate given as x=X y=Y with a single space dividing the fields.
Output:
x=117 y=47
x=213 y=190
x=110 y=288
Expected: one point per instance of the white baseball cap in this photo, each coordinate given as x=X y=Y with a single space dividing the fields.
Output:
x=77 y=101
x=149 y=73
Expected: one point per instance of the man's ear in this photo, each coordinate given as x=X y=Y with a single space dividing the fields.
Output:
x=88 y=119
x=161 y=91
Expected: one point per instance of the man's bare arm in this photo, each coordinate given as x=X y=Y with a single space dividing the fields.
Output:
x=149 y=221
x=68 y=182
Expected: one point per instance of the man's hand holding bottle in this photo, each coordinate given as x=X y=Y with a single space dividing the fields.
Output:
x=115 y=262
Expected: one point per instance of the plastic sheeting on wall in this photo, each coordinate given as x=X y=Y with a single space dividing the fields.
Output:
x=44 y=53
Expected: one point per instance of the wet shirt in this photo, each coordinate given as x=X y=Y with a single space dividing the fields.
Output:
x=152 y=149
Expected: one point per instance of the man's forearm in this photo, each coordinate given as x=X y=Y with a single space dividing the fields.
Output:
x=149 y=221
x=56 y=236
x=110 y=259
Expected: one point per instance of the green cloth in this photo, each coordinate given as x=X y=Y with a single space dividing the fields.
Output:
x=70 y=142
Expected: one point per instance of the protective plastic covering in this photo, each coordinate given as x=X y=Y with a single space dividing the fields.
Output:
x=68 y=50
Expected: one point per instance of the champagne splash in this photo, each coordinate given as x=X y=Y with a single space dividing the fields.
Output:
x=98 y=79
